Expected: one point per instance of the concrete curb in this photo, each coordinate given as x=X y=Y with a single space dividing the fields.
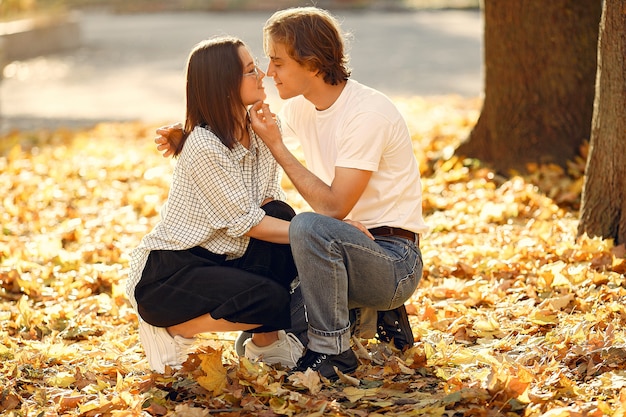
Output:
x=28 y=38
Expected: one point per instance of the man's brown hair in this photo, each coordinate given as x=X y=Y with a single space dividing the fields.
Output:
x=312 y=37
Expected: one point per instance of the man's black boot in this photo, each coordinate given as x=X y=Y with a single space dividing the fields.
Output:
x=323 y=363
x=394 y=325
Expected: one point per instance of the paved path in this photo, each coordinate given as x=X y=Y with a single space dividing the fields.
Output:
x=131 y=67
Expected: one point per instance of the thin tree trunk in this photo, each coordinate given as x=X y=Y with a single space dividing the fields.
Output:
x=603 y=209
x=540 y=64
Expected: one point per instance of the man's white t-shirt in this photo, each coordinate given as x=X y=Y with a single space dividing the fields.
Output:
x=364 y=130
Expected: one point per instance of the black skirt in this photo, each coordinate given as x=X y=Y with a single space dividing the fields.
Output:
x=177 y=286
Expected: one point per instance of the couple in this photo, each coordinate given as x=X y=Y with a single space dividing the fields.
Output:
x=227 y=248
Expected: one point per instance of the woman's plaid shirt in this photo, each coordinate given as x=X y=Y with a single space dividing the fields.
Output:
x=214 y=199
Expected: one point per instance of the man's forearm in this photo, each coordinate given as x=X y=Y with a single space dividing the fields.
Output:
x=322 y=198
x=318 y=194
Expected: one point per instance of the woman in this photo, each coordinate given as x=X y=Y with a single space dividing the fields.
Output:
x=219 y=259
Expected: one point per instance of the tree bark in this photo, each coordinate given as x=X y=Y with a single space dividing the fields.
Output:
x=539 y=68
x=603 y=209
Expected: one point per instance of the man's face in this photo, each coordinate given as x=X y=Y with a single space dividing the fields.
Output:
x=291 y=78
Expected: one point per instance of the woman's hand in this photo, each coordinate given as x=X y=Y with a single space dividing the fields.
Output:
x=168 y=139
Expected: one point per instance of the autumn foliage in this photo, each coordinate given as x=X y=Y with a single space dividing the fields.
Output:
x=515 y=315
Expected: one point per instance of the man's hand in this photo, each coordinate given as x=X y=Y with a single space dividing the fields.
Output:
x=168 y=139
x=359 y=226
x=264 y=124
x=334 y=200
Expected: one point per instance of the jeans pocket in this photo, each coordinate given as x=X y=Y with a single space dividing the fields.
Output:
x=404 y=290
x=407 y=284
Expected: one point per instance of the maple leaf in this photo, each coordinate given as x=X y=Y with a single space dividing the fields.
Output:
x=62 y=379
x=347 y=379
x=215 y=375
x=308 y=379
x=185 y=410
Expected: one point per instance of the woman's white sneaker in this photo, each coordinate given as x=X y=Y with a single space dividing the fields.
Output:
x=287 y=350
x=162 y=348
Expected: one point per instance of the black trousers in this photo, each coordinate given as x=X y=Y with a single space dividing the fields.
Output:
x=177 y=286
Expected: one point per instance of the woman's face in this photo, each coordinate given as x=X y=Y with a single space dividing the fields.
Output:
x=252 y=89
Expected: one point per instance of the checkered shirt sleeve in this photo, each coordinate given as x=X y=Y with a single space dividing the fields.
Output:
x=214 y=199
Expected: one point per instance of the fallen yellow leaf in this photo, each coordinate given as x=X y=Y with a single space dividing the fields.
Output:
x=214 y=379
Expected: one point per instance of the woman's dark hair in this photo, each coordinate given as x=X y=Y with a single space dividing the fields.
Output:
x=214 y=73
x=312 y=38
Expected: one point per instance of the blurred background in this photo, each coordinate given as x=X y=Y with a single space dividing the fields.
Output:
x=75 y=63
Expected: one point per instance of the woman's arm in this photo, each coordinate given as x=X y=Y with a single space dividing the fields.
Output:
x=218 y=182
x=271 y=229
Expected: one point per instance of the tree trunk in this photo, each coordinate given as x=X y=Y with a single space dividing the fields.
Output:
x=539 y=66
x=603 y=209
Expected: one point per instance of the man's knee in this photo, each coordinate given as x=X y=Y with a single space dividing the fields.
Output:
x=302 y=226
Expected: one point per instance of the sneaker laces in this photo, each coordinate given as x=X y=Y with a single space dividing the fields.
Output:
x=295 y=346
x=287 y=350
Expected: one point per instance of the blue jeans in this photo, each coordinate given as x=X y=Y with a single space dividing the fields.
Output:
x=340 y=268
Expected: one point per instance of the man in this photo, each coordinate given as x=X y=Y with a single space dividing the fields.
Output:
x=359 y=252
x=361 y=172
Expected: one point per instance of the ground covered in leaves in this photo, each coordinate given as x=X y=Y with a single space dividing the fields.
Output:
x=515 y=315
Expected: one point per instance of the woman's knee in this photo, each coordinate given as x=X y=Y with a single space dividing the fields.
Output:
x=276 y=294
x=279 y=209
